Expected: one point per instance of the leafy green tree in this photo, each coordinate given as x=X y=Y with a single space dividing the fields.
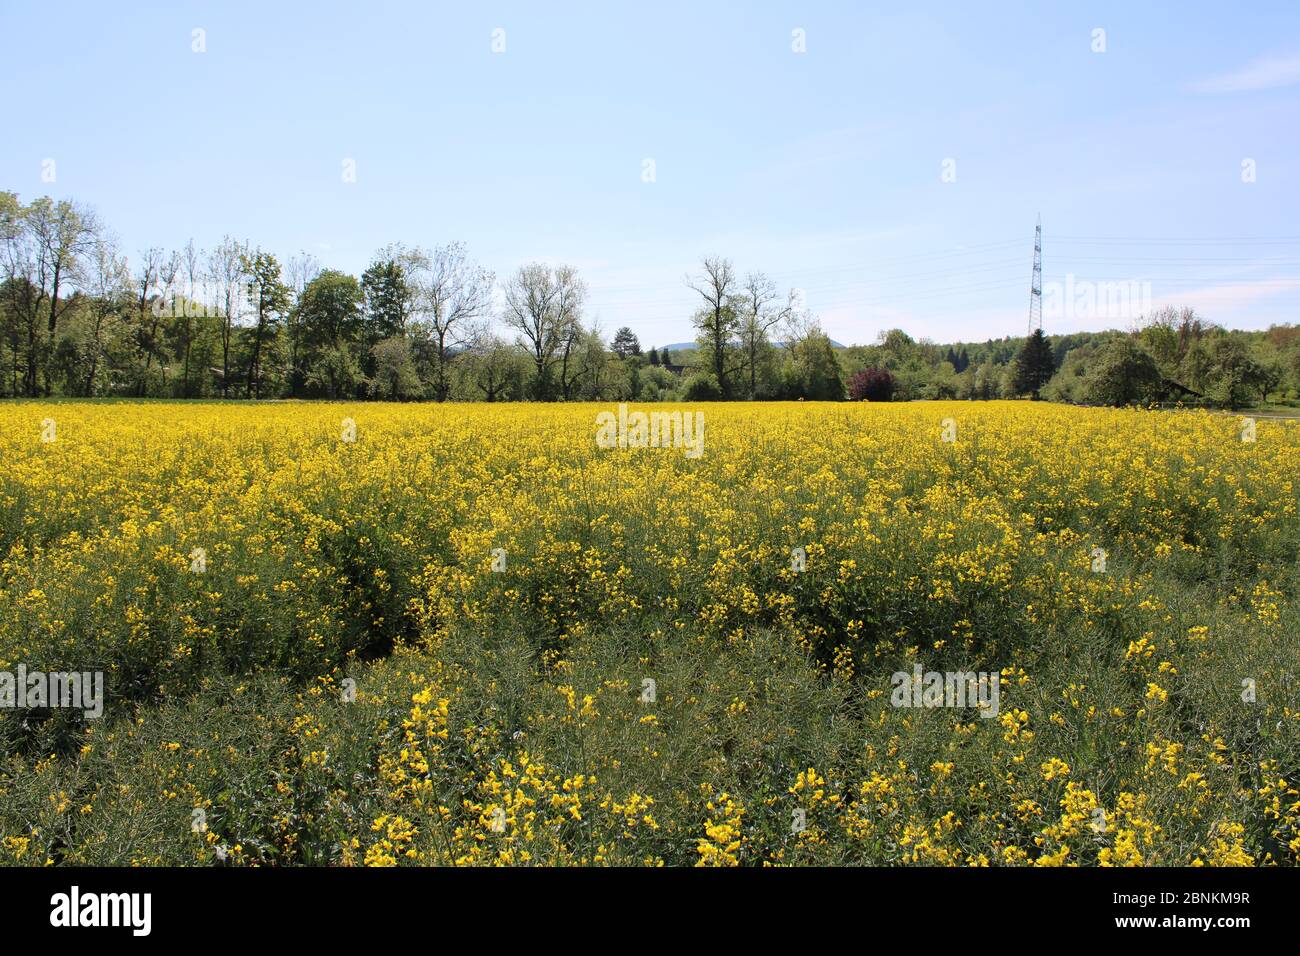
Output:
x=1271 y=368
x=329 y=311
x=1067 y=385
x=64 y=234
x=942 y=383
x=625 y=343
x=494 y=370
x=43 y=248
x=656 y=384
x=719 y=321
x=582 y=362
x=897 y=348
x=815 y=369
x=1174 y=338
x=270 y=299
x=330 y=308
x=702 y=387
x=299 y=272
x=395 y=376
x=1121 y=374
x=389 y=296
x=1006 y=376
x=1291 y=365
x=1234 y=378
x=336 y=371
x=1035 y=365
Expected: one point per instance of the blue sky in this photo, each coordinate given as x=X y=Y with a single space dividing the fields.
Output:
x=825 y=168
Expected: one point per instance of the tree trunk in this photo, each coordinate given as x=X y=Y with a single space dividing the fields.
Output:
x=54 y=320
x=254 y=379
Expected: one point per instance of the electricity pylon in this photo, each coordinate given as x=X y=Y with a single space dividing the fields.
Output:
x=1036 y=283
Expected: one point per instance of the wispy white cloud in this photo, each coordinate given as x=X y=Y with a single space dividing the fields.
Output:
x=1265 y=74
x=1229 y=297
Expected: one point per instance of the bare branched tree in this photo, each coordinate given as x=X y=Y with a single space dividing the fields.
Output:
x=718 y=322
x=226 y=273
x=543 y=305
x=167 y=273
x=759 y=296
x=493 y=365
x=24 y=290
x=797 y=322
x=64 y=234
x=453 y=293
x=108 y=282
x=298 y=273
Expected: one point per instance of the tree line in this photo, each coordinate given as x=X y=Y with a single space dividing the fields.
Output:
x=1171 y=355
x=80 y=319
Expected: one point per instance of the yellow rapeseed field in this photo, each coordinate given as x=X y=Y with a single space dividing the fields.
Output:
x=468 y=634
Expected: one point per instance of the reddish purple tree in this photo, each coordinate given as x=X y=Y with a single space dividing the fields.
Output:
x=873 y=384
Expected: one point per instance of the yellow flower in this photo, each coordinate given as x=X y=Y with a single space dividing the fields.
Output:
x=1054 y=768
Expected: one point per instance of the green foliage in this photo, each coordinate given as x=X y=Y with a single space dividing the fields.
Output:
x=1233 y=377
x=190 y=324
x=395 y=378
x=1034 y=365
x=1121 y=374
x=702 y=387
x=1067 y=385
x=657 y=384
x=814 y=371
x=626 y=344
x=389 y=298
x=329 y=311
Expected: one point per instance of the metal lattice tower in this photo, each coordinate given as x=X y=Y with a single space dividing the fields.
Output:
x=1036 y=283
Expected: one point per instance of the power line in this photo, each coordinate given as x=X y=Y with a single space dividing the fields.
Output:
x=1173 y=240
x=834 y=270
x=969 y=250
x=1177 y=279
x=1276 y=260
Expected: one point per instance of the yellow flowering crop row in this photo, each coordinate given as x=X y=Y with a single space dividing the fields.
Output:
x=444 y=634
